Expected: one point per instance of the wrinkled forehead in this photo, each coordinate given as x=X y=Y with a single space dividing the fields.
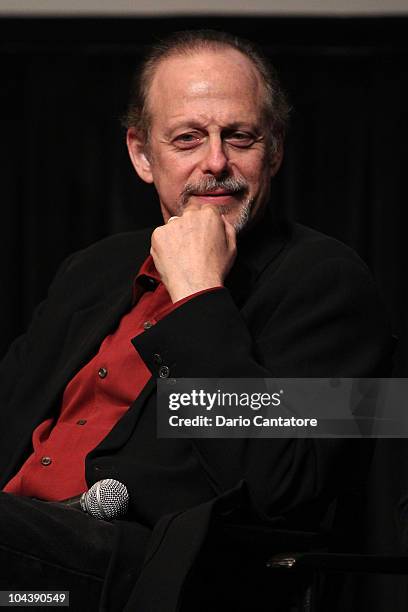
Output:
x=222 y=73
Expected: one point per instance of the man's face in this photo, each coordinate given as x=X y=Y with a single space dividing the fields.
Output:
x=208 y=140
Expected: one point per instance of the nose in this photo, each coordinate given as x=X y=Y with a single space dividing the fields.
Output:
x=214 y=160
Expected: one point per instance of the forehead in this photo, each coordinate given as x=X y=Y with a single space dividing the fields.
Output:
x=205 y=79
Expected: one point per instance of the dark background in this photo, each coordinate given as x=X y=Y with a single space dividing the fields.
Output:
x=66 y=180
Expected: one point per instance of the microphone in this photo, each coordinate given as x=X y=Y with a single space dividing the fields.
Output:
x=107 y=499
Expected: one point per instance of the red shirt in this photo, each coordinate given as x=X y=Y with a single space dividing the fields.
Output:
x=93 y=401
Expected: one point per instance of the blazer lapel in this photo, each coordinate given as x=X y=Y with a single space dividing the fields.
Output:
x=88 y=328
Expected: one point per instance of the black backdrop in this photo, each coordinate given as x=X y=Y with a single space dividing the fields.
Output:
x=66 y=180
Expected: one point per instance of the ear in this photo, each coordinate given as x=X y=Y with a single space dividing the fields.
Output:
x=276 y=158
x=137 y=152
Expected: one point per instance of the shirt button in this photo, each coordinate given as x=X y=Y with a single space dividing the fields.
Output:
x=81 y=422
x=164 y=372
x=147 y=324
x=102 y=372
x=46 y=460
x=157 y=358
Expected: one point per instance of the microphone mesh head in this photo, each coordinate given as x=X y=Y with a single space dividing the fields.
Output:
x=106 y=499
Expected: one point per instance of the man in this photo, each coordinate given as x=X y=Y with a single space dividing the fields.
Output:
x=230 y=290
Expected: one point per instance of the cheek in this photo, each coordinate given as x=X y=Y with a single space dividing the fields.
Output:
x=170 y=183
x=175 y=172
x=254 y=169
x=258 y=178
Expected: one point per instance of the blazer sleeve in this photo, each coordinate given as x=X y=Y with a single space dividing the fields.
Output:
x=328 y=322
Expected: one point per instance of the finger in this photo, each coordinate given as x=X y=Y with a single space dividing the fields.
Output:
x=230 y=233
x=204 y=206
x=173 y=218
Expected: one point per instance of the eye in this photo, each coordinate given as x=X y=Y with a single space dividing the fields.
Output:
x=188 y=140
x=240 y=139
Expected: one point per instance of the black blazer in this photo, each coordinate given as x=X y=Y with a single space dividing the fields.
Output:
x=296 y=303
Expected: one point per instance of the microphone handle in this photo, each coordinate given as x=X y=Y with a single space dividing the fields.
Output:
x=72 y=502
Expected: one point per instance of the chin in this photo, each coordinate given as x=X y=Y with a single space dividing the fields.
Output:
x=241 y=219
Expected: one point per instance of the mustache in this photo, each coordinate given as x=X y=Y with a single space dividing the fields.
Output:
x=210 y=183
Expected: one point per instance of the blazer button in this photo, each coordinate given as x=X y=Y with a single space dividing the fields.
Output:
x=147 y=324
x=46 y=460
x=102 y=372
x=164 y=372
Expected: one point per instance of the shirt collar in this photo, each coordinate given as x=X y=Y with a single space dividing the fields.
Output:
x=146 y=279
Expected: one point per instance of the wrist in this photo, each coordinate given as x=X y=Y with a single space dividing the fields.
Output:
x=185 y=290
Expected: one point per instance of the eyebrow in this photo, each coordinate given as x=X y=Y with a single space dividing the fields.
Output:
x=196 y=125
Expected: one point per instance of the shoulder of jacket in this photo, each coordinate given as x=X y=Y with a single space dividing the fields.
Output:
x=116 y=245
x=112 y=250
x=116 y=256
x=308 y=247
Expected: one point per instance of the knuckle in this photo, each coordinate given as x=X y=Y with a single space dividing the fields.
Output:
x=156 y=234
x=209 y=209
